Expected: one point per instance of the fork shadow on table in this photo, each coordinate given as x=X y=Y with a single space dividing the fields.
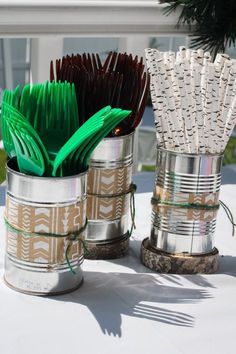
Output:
x=109 y=296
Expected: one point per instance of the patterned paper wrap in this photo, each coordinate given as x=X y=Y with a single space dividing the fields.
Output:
x=108 y=208
x=43 y=219
x=108 y=182
x=186 y=214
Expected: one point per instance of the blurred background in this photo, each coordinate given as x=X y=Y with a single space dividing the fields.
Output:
x=24 y=60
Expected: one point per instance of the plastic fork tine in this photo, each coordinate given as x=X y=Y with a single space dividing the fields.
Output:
x=107 y=62
x=99 y=64
x=52 y=77
x=29 y=158
x=80 y=136
x=6 y=135
x=117 y=115
x=95 y=88
x=90 y=64
x=58 y=69
x=113 y=62
x=146 y=85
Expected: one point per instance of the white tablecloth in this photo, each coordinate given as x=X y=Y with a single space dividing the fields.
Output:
x=123 y=307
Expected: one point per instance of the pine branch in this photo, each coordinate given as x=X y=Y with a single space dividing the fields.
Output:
x=214 y=22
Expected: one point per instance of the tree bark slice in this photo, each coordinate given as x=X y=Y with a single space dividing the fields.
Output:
x=163 y=262
x=113 y=250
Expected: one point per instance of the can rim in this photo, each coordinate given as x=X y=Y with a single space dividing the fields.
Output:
x=119 y=136
x=21 y=174
x=188 y=153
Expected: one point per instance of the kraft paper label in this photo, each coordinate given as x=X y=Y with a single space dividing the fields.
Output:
x=46 y=219
x=107 y=208
x=175 y=212
x=109 y=181
x=183 y=214
x=49 y=250
x=43 y=220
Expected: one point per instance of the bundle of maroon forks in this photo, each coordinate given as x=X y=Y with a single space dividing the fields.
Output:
x=121 y=82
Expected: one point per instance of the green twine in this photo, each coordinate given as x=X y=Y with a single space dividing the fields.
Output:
x=132 y=189
x=156 y=201
x=132 y=208
x=74 y=236
x=229 y=215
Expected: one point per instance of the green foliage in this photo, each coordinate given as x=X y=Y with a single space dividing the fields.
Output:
x=214 y=22
x=3 y=159
x=230 y=152
x=148 y=168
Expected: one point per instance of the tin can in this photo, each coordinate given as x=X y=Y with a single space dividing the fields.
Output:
x=109 y=181
x=185 y=202
x=43 y=215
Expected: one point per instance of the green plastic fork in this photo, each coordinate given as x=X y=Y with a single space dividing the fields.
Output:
x=60 y=120
x=29 y=157
x=71 y=163
x=116 y=117
x=76 y=163
x=81 y=136
x=12 y=99
x=21 y=127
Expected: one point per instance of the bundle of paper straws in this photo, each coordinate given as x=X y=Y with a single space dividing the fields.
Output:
x=194 y=99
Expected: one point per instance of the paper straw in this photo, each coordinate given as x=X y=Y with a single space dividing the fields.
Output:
x=194 y=100
x=198 y=108
x=220 y=59
x=190 y=122
x=169 y=65
x=173 y=121
x=204 y=131
x=215 y=123
x=184 y=103
x=211 y=105
x=195 y=96
x=230 y=124
x=156 y=99
x=224 y=80
x=200 y=54
x=162 y=84
x=226 y=112
x=180 y=55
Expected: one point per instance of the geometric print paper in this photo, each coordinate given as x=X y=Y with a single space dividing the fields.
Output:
x=43 y=219
x=108 y=182
x=107 y=208
x=186 y=214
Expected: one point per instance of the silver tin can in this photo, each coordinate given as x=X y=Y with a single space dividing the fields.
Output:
x=109 y=180
x=41 y=215
x=113 y=152
x=186 y=197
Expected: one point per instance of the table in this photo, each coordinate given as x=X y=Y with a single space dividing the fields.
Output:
x=124 y=307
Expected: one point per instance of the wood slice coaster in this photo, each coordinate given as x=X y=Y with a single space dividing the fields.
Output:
x=163 y=262
x=112 y=250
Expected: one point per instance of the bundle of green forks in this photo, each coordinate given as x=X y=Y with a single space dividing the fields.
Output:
x=40 y=127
